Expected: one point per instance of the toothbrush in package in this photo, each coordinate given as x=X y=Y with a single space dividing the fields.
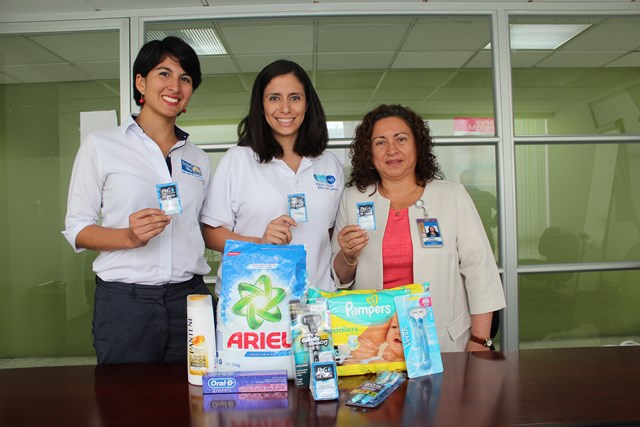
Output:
x=419 y=335
x=370 y=394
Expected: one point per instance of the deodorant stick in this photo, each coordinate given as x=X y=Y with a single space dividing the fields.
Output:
x=201 y=341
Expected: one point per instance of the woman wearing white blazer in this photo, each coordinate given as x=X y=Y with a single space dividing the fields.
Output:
x=394 y=195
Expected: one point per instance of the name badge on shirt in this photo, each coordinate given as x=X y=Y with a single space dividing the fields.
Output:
x=169 y=198
x=297 y=207
x=365 y=215
x=430 y=235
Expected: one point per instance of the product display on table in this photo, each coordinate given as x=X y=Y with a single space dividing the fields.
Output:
x=272 y=327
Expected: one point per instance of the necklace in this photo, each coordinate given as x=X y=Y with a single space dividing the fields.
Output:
x=411 y=197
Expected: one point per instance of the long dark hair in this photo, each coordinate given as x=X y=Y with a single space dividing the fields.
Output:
x=255 y=132
x=363 y=174
x=155 y=51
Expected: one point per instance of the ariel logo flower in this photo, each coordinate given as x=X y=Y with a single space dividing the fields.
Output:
x=259 y=302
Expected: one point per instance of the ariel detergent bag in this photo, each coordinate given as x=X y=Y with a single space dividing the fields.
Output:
x=365 y=329
x=253 y=321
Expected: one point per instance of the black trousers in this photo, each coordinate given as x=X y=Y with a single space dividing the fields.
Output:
x=140 y=323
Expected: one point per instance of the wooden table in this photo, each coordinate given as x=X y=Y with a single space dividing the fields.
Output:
x=580 y=386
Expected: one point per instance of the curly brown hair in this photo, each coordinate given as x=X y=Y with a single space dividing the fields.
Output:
x=363 y=174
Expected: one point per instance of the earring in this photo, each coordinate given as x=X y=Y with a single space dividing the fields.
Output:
x=184 y=110
x=142 y=99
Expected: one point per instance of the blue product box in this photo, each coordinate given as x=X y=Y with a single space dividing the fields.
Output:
x=244 y=382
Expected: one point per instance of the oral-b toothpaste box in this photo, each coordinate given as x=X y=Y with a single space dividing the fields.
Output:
x=244 y=382
x=246 y=401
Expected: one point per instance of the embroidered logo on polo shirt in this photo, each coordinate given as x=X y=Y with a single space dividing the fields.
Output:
x=190 y=169
x=325 y=182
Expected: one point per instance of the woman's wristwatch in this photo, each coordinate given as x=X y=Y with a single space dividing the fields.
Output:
x=487 y=342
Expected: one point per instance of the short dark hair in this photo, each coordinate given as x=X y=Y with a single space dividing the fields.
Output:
x=363 y=174
x=155 y=51
x=255 y=132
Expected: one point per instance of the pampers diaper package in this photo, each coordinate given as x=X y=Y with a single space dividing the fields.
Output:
x=253 y=321
x=365 y=329
x=419 y=335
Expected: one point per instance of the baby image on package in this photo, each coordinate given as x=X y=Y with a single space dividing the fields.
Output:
x=365 y=330
x=253 y=321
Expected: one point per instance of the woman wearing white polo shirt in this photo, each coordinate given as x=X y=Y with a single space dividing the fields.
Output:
x=150 y=259
x=279 y=185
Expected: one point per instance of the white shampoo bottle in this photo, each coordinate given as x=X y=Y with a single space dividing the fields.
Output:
x=201 y=338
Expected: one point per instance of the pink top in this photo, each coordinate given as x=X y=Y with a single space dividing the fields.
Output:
x=397 y=250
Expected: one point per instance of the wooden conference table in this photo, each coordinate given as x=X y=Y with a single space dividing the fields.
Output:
x=580 y=386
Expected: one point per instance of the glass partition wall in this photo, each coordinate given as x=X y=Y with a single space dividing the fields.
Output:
x=568 y=253
x=576 y=102
x=46 y=79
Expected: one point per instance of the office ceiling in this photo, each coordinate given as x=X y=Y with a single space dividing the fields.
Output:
x=13 y=7
x=435 y=64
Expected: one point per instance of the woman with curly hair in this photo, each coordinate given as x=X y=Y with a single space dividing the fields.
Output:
x=394 y=194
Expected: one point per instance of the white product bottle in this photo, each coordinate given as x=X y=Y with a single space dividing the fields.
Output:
x=201 y=339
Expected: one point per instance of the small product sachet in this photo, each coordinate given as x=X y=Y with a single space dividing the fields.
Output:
x=324 y=380
x=169 y=198
x=419 y=335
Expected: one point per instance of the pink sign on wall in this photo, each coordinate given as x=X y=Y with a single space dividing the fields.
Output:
x=474 y=126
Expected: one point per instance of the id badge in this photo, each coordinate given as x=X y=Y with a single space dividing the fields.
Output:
x=297 y=207
x=365 y=214
x=430 y=235
x=169 y=198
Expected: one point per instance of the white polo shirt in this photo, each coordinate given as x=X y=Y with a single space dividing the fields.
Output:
x=245 y=195
x=114 y=175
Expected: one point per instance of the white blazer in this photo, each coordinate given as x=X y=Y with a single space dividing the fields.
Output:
x=462 y=274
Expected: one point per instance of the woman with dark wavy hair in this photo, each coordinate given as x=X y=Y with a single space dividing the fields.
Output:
x=279 y=185
x=394 y=195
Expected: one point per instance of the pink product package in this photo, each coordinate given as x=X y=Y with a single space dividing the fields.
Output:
x=244 y=382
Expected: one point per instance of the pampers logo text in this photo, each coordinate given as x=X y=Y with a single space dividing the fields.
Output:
x=371 y=310
x=325 y=182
